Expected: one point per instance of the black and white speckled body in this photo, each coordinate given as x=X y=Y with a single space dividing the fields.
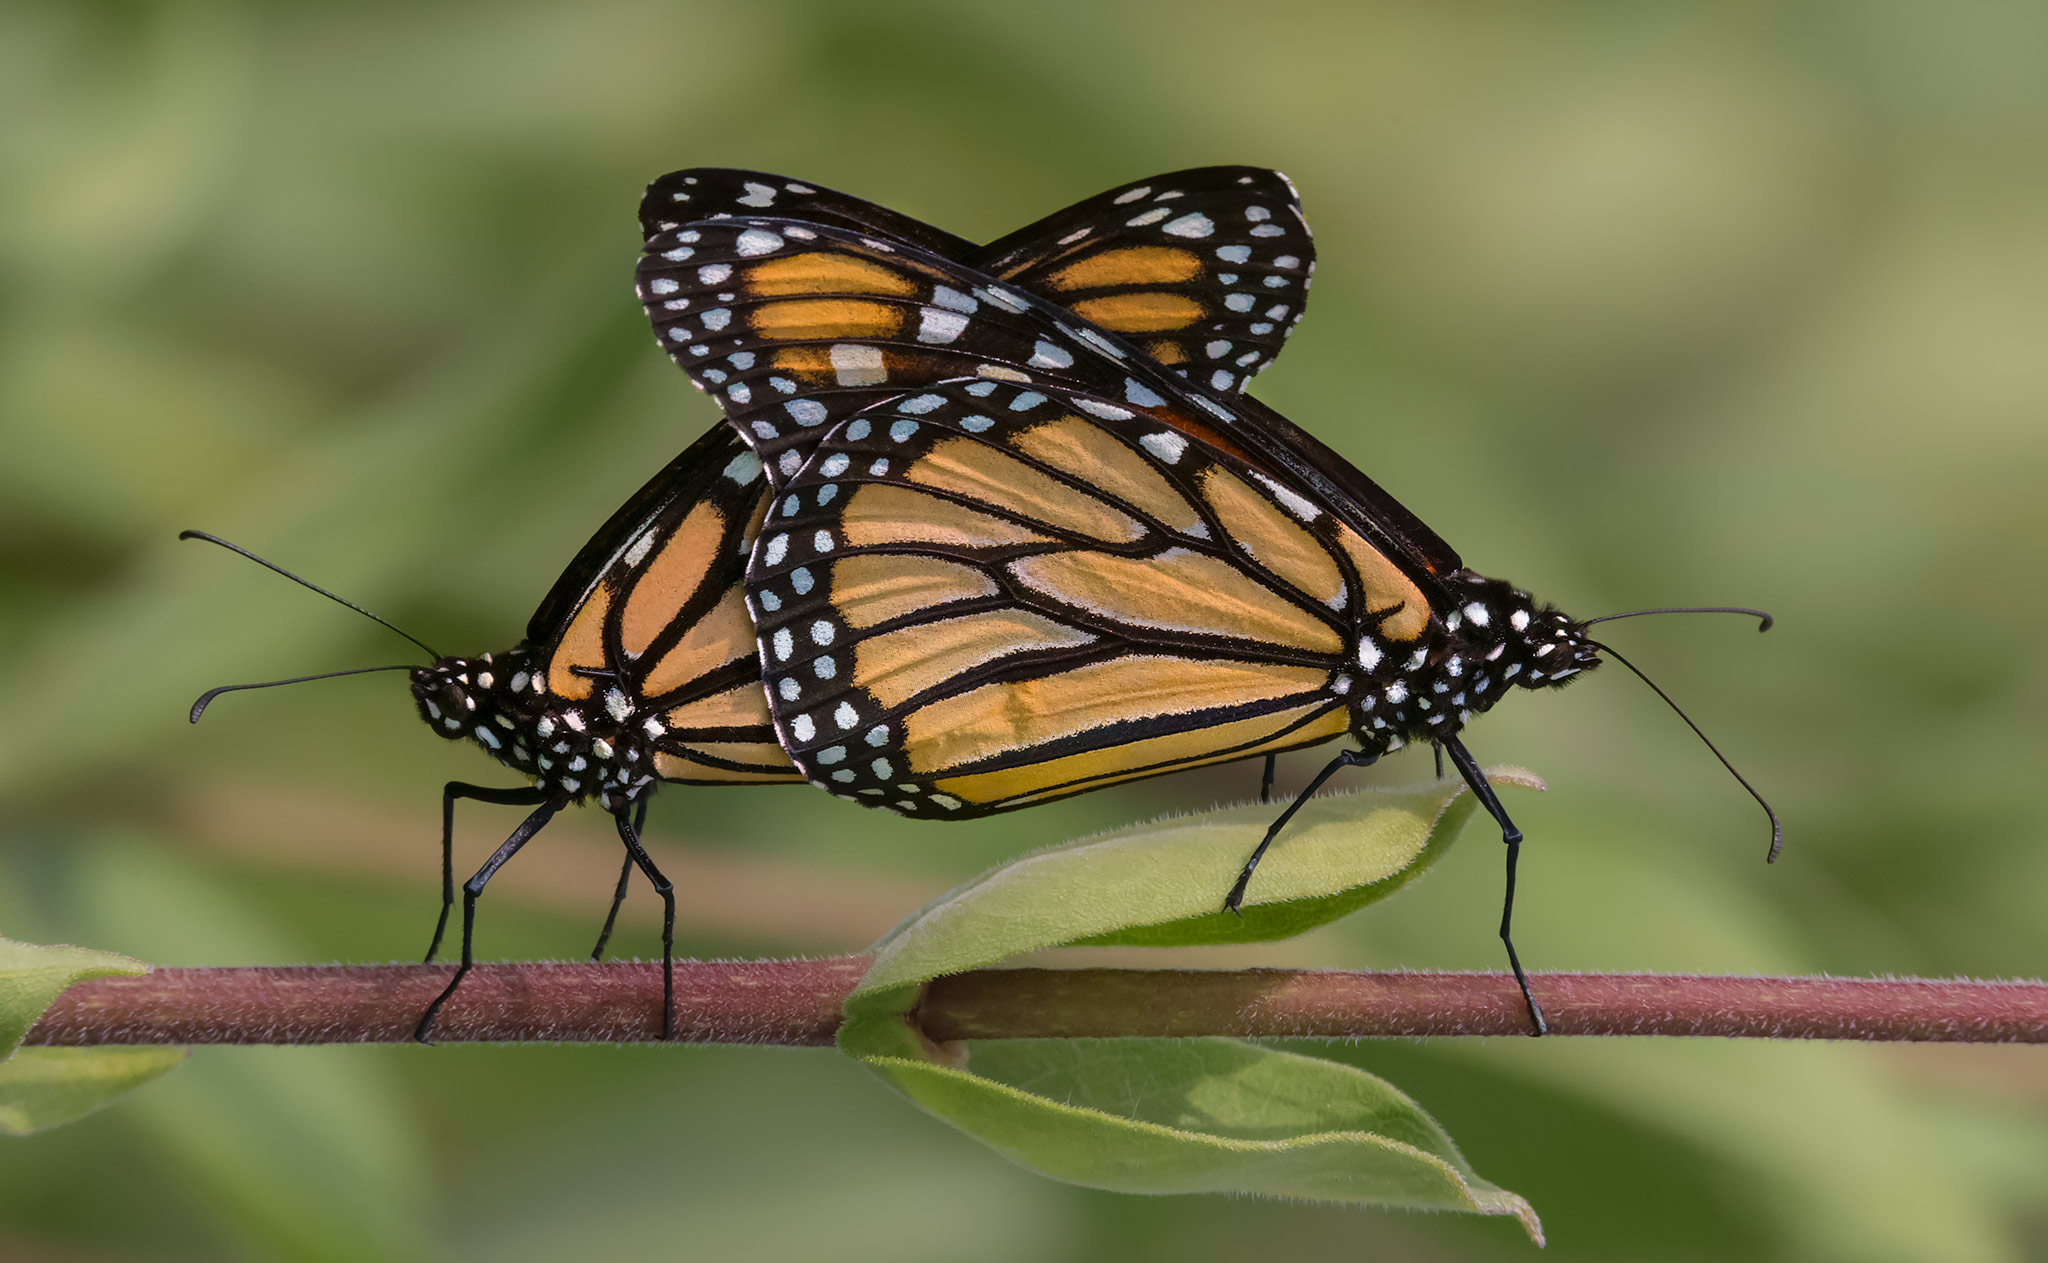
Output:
x=1426 y=690
x=572 y=751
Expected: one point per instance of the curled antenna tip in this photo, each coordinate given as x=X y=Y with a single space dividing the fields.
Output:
x=205 y=700
x=1763 y=617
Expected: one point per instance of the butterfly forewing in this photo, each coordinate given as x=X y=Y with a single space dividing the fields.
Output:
x=653 y=607
x=1207 y=270
x=986 y=595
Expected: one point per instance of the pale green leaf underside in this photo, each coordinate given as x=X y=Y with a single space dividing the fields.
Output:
x=41 y=1088
x=1186 y=1116
x=44 y=1087
x=1202 y=1116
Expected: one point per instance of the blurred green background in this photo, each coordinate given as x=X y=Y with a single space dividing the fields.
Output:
x=1638 y=304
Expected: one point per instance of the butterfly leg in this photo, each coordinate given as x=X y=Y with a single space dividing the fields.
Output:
x=1350 y=758
x=483 y=794
x=1438 y=748
x=473 y=888
x=1266 y=783
x=625 y=872
x=630 y=835
x=1469 y=769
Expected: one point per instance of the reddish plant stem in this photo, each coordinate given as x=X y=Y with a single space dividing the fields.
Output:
x=797 y=1002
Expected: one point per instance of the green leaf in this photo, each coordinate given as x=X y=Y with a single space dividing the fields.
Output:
x=1202 y=1116
x=1188 y=1116
x=1162 y=883
x=41 y=1088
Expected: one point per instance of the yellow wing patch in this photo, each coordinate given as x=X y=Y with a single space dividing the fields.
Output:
x=979 y=472
x=1385 y=587
x=1147 y=311
x=816 y=272
x=671 y=578
x=1273 y=539
x=1145 y=757
x=1009 y=716
x=689 y=771
x=744 y=705
x=1177 y=590
x=1137 y=265
x=1071 y=443
x=885 y=513
x=896 y=666
x=823 y=319
x=581 y=646
x=876 y=587
x=721 y=636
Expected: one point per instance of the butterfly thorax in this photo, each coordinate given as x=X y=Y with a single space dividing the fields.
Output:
x=1495 y=637
x=573 y=750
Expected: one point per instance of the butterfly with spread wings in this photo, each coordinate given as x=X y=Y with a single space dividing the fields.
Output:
x=795 y=307
x=1082 y=557
x=641 y=665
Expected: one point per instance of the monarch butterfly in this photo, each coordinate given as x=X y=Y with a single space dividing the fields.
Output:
x=795 y=306
x=640 y=665
x=1017 y=584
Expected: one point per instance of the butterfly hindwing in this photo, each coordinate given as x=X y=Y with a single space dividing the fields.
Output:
x=653 y=608
x=985 y=595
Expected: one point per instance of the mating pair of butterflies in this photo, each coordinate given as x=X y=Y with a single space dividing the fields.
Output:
x=989 y=526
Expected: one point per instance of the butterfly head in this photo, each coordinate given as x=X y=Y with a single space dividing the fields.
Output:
x=576 y=750
x=1521 y=641
x=470 y=697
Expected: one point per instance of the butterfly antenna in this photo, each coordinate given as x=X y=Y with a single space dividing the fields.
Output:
x=271 y=565
x=1763 y=617
x=206 y=698
x=1777 y=829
